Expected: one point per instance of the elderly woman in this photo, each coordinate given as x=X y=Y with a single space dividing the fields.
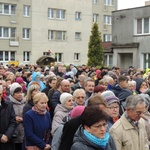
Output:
x=62 y=110
x=16 y=97
x=33 y=89
x=92 y=134
x=37 y=123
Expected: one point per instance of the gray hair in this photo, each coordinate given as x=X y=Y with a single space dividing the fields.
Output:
x=133 y=100
x=88 y=79
x=77 y=91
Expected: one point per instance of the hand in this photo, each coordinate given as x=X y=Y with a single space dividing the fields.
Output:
x=19 y=119
x=4 y=138
x=47 y=147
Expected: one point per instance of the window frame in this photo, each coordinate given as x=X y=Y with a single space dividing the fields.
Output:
x=7 y=56
x=26 y=11
x=26 y=33
x=3 y=31
x=57 y=55
x=26 y=56
x=77 y=15
x=9 y=10
x=77 y=56
x=60 y=14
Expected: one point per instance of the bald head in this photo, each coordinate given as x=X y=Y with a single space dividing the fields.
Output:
x=65 y=86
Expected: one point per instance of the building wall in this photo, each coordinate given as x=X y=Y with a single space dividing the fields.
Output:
x=39 y=24
x=124 y=33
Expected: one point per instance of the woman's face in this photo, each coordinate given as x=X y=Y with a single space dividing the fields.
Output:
x=18 y=95
x=35 y=92
x=98 y=129
x=69 y=104
x=41 y=104
x=113 y=110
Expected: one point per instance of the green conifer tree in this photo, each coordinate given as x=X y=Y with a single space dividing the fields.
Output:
x=95 y=50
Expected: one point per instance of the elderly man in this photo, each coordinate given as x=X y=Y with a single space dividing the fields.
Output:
x=129 y=131
x=7 y=123
x=79 y=97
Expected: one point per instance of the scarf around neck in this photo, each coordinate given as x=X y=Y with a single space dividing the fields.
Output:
x=38 y=111
x=100 y=142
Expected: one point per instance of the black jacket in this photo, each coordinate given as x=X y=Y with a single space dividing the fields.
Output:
x=69 y=130
x=7 y=124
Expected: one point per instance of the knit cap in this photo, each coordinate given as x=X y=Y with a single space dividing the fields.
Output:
x=111 y=99
x=14 y=86
x=19 y=80
x=107 y=93
x=64 y=97
x=77 y=111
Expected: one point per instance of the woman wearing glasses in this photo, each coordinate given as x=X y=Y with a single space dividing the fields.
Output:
x=92 y=135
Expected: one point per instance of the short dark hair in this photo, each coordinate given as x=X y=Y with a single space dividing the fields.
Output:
x=18 y=89
x=92 y=115
x=122 y=78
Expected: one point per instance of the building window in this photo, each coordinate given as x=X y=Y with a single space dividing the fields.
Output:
x=7 y=9
x=50 y=13
x=107 y=20
x=77 y=15
x=76 y=56
x=57 y=35
x=26 y=10
x=95 y=17
x=95 y=1
x=108 y=60
x=58 y=57
x=6 y=32
x=26 y=33
x=26 y=56
x=109 y=2
x=107 y=37
x=78 y=35
x=142 y=26
x=146 y=60
x=60 y=14
x=7 y=56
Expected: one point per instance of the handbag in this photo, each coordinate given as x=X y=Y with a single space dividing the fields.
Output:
x=32 y=148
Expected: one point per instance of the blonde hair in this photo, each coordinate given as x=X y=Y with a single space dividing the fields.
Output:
x=38 y=97
x=32 y=88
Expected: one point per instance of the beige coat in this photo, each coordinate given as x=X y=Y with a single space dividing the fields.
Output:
x=126 y=137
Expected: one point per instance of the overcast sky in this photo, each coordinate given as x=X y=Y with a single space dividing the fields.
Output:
x=123 y=4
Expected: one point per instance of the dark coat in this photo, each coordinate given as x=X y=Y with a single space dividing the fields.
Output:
x=76 y=86
x=7 y=124
x=81 y=142
x=116 y=89
x=69 y=130
x=55 y=99
x=28 y=106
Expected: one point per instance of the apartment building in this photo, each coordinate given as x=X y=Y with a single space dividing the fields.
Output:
x=131 y=37
x=37 y=31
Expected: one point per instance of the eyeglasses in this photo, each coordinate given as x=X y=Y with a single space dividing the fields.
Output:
x=113 y=107
x=80 y=97
x=100 y=126
x=140 y=112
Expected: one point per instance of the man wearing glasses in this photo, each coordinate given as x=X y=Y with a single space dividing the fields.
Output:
x=129 y=131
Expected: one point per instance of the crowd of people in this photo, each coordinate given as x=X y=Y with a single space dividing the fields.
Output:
x=78 y=107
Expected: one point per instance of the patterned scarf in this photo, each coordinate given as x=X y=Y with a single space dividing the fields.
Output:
x=38 y=111
x=100 y=142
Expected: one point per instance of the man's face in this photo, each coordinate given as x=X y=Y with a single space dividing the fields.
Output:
x=124 y=84
x=135 y=114
x=80 y=98
x=90 y=86
x=53 y=83
x=65 y=86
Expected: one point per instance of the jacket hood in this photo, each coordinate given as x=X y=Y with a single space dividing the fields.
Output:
x=34 y=75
